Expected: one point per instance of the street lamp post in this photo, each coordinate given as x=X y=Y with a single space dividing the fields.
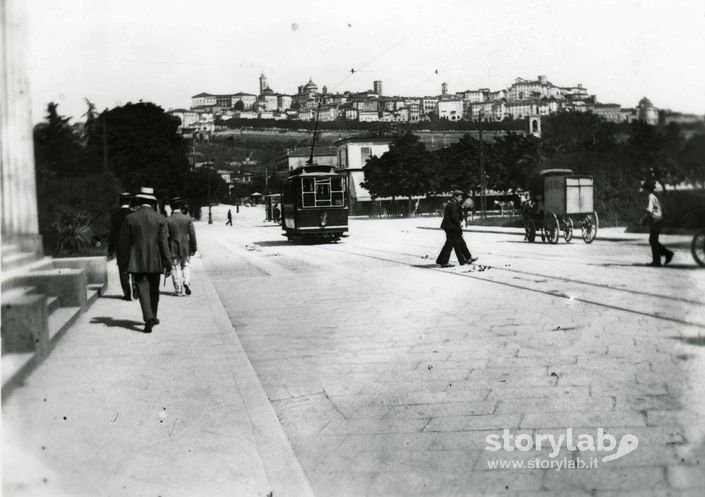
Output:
x=210 y=214
x=483 y=198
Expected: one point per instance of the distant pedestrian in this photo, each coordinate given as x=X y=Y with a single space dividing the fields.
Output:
x=468 y=208
x=143 y=249
x=182 y=245
x=116 y=219
x=230 y=218
x=654 y=216
x=451 y=224
x=276 y=213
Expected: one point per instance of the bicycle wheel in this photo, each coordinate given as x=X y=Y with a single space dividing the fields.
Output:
x=568 y=229
x=697 y=248
x=589 y=227
x=551 y=228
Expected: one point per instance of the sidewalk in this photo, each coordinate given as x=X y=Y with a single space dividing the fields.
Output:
x=180 y=412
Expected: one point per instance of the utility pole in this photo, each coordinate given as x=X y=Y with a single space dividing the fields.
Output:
x=210 y=214
x=483 y=198
x=105 y=142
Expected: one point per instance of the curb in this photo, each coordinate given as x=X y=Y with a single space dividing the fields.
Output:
x=283 y=470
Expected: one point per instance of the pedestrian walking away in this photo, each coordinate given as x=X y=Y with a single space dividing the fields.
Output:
x=452 y=225
x=276 y=213
x=468 y=210
x=144 y=250
x=116 y=219
x=182 y=245
x=230 y=218
x=654 y=216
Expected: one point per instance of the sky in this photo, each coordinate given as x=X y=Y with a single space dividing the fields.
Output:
x=112 y=52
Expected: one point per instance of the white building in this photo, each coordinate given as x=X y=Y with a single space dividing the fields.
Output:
x=247 y=99
x=188 y=117
x=366 y=116
x=285 y=102
x=609 y=112
x=429 y=105
x=203 y=100
x=450 y=109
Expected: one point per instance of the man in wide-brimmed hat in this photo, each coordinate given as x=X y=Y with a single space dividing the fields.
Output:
x=182 y=245
x=144 y=249
x=452 y=225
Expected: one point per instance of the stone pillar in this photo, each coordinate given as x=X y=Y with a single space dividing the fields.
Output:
x=19 y=194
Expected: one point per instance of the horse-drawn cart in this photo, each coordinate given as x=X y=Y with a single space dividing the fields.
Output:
x=559 y=202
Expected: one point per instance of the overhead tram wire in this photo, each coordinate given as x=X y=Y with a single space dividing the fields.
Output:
x=352 y=72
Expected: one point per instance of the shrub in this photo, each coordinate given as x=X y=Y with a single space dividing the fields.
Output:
x=72 y=230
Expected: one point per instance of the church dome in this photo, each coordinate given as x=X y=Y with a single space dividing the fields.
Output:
x=310 y=85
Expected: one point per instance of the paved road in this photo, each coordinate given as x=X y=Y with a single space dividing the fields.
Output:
x=388 y=374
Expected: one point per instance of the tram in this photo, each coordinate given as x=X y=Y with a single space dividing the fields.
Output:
x=315 y=204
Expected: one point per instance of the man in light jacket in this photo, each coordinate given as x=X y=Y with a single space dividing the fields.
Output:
x=182 y=245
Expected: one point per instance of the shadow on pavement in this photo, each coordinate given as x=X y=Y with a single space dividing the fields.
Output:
x=117 y=297
x=118 y=323
x=688 y=267
x=697 y=341
x=273 y=243
x=291 y=243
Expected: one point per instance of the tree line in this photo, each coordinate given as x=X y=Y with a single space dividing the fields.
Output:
x=80 y=170
x=618 y=156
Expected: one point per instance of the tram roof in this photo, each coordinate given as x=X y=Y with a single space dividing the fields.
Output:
x=554 y=172
x=314 y=170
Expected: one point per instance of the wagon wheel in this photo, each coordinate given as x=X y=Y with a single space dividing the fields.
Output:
x=697 y=248
x=530 y=231
x=568 y=229
x=551 y=228
x=589 y=227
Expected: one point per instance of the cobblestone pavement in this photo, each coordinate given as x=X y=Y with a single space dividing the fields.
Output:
x=388 y=375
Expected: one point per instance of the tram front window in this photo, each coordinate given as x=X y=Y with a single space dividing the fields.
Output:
x=323 y=192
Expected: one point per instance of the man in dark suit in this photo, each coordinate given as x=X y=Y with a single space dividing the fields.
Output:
x=145 y=252
x=451 y=224
x=116 y=219
x=182 y=245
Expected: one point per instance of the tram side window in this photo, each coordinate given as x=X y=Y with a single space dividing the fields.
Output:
x=308 y=191
x=338 y=191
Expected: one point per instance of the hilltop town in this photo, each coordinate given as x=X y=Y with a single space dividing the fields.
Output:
x=522 y=99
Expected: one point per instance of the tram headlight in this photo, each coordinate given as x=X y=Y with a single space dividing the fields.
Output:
x=324 y=219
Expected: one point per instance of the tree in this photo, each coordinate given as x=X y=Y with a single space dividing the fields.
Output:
x=58 y=150
x=514 y=159
x=692 y=159
x=458 y=165
x=239 y=106
x=570 y=132
x=74 y=195
x=144 y=147
x=202 y=186
x=404 y=170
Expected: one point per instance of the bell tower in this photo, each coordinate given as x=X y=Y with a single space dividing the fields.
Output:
x=262 y=83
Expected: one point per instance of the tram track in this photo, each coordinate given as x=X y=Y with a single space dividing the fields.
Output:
x=647 y=299
x=631 y=291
